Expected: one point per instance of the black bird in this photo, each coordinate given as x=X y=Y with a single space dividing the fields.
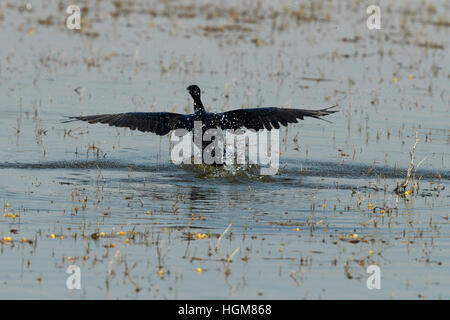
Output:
x=162 y=123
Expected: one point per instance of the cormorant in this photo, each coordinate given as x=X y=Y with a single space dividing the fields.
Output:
x=162 y=123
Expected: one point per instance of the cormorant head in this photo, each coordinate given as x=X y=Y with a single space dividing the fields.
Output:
x=194 y=91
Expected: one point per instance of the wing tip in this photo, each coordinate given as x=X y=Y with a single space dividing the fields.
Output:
x=328 y=111
x=325 y=112
x=69 y=119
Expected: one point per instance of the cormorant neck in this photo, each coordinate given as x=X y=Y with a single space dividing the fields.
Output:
x=198 y=105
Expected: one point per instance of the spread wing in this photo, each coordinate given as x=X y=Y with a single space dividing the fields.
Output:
x=160 y=123
x=260 y=118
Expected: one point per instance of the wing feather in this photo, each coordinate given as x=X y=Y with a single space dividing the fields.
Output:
x=160 y=123
x=268 y=118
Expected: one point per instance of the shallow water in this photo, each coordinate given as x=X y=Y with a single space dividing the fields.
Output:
x=110 y=201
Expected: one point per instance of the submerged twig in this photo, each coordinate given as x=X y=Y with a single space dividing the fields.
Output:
x=221 y=236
